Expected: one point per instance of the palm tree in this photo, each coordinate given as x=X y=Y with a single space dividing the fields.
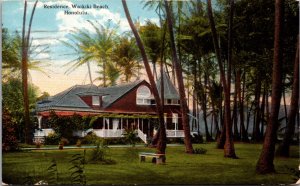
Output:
x=265 y=162
x=161 y=145
x=284 y=147
x=228 y=146
x=178 y=69
x=25 y=49
x=93 y=48
x=126 y=57
x=151 y=36
x=81 y=43
x=11 y=52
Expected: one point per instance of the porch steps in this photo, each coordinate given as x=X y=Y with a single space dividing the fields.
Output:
x=142 y=136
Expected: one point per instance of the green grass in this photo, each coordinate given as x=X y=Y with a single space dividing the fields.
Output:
x=180 y=168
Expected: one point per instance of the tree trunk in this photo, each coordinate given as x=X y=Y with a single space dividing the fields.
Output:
x=265 y=162
x=104 y=72
x=236 y=134
x=257 y=119
x=161 y=145
x=262 y=113
x=25 y=50
x=241 y=95
x=178 y=69
x=195 y=74
x=229 y=146
x=89 y=71
x=204 y=99
x=284 y=147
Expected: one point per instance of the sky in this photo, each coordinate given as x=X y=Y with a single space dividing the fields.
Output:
x=51 y=26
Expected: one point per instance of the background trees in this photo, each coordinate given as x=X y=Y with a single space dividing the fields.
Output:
x=126 y=57
x=222 y=54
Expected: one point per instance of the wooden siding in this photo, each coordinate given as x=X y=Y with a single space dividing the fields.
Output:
x=127 y=103
x=88 y=100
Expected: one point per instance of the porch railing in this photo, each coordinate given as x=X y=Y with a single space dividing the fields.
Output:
x=109 y=133
x=42 y=132
x=175 y=133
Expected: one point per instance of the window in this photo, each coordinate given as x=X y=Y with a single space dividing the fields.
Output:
x=175 y=102
x=143 y=92
x=143 y=101
x=143 y=95
x=174 y=118
x=95 y=101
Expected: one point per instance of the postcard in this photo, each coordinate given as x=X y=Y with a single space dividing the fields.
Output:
x=134 y=92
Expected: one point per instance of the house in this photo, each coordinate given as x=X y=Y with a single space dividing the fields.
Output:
x=129 y=105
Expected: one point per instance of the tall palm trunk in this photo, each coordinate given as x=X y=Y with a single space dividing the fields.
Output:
x=262 y=113
x=89 y=71
x=236 y=134
x=178 y=69
x=104 y=72
x=284 y=147
x=256 y=121
x=241 y=95
x=265 y=162
x=161 y=145
x=204 y=100
x=25 y=50
x=229 y=146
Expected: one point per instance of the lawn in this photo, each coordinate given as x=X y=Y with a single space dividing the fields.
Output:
x=180 y=168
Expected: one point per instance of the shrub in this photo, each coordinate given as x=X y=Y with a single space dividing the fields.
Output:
x=90 y=139
x=38 y=144
x=78 y=143
x=130 y=136
x=200 y=151
x=77 y=171
x=52 y=139
x=64 y=141
x=9 y=139
x=61 y=146
x=100 y=153
x=52 y=176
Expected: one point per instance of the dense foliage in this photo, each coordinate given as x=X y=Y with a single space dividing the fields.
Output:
x=9 y=137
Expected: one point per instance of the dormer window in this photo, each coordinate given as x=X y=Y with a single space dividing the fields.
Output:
x=95 y=101
x=143 y=95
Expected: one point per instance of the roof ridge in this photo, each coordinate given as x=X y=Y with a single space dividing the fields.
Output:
x=134 y=84
x=71 y=88
x=123 y=84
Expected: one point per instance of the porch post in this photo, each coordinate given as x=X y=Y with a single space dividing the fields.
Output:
x=121 y=123
x=138 y=123
x=103 y=121
x=108 y=124
x=148 y=127
x=40 y=121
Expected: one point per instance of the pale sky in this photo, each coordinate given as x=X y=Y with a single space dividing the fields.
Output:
x=50 y=25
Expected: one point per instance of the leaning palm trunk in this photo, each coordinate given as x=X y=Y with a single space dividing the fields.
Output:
x=228 y=146
x=284 y=147
x=25 y=50
x=161 y=145
x=178 y=69
x=265 y=163
x=89 y=71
